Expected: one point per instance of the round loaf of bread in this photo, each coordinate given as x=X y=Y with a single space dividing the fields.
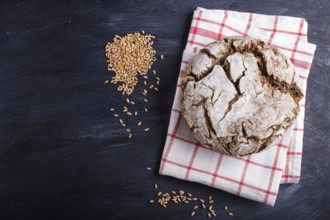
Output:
x=239 y=95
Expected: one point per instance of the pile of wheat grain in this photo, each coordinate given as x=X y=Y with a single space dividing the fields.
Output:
x=130 y=56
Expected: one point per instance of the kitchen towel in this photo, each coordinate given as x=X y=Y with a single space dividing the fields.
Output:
x=257 y=176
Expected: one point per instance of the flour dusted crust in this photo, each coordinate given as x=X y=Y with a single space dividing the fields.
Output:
x=239 y=95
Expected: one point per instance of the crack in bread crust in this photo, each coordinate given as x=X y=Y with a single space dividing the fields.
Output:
x=239 y=95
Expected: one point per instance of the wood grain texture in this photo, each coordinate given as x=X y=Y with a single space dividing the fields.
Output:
x=62 y=154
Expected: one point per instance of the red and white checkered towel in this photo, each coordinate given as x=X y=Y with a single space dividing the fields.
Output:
x=256 y=176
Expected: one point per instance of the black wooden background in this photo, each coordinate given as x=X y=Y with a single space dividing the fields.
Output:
x=62 y=154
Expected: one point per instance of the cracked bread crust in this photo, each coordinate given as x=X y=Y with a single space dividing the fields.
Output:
x=239 y=95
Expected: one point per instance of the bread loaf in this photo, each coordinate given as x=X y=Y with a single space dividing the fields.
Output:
x=239 y=95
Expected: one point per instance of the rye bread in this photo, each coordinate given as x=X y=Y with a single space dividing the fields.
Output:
x=239 y=95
